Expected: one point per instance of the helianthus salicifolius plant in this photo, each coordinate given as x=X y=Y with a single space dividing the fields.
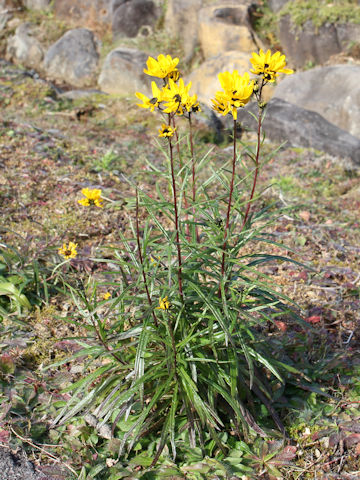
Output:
x=269 y=65
x=92 y=197
x=200 y=365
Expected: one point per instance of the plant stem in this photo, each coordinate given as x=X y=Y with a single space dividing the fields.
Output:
x=193 y=176
x=180 y=166
x=176 y=219
x=260 y=113
x=256 y=169
x=142 y=260
x=229 y=204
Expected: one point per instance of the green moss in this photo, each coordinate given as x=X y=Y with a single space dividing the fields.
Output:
x=322 y=11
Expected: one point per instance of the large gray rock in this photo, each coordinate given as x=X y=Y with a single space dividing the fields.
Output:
x=16 y=466
x=129 y=17
x=205 y=82
x=181 y=22
x=73 y=58
x=94 y=14
x=225 y=26
x=24 y=48
x=122 y=72
x=315 y=44
x=286 y=122
x=333 y=92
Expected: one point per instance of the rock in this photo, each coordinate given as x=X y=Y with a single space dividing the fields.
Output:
x=129 y=17
x=94 y=14
x=286 y=122
x=316 y=44
x=349 y=36
x=122 y=72
x=5 y=15
x=181 y=22
x=16 y=466
x=116 y=3
x=24 y=48
x=333 y=92
x=37 y=4
x=80 y=94
x=276 y=5
x=204 y=79
x=73 y=58
x=225 y=27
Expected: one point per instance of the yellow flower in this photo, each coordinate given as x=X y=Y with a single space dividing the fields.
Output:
x=68 y=251
x=177 y=99
x=237 y=92
x=164 y=303
x=153 y=261
x=153 y=102
x=106 y=296
x=92 y=197
x=162 y=67
x=221 y=103
x=269 y=66
x=166 y=131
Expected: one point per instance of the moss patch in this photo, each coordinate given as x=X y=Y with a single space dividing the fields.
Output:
x=322 y=11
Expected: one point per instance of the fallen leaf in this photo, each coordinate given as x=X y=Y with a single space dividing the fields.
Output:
x=313 y=319
x=304 y=215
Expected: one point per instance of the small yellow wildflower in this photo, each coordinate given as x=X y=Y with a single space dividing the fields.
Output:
x=269 y=66
x=154 y=262
x=92 y=197
x=68 y=251
x=164 y=304
x=166 y=131
x=106 y=296
x=162 y=67
x=153 y=102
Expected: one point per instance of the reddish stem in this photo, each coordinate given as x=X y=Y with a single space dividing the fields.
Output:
x=141 y=259
x=181 y=165
x=229 y=204
x=256 y=169
x=193 y=175
x=176 y=219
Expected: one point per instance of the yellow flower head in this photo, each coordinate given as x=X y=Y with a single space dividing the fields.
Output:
x=154 y=262
x=164 y=304
x=166 y=131
x=152 y=102
x=68 y=251
x=177 y=99
x=162 y=67
x=237 y=92
x=269 y=66
x=92 y=197
x=106 y=296
x=221 y=103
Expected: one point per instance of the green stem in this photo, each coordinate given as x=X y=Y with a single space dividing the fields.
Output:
x=142 y=260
